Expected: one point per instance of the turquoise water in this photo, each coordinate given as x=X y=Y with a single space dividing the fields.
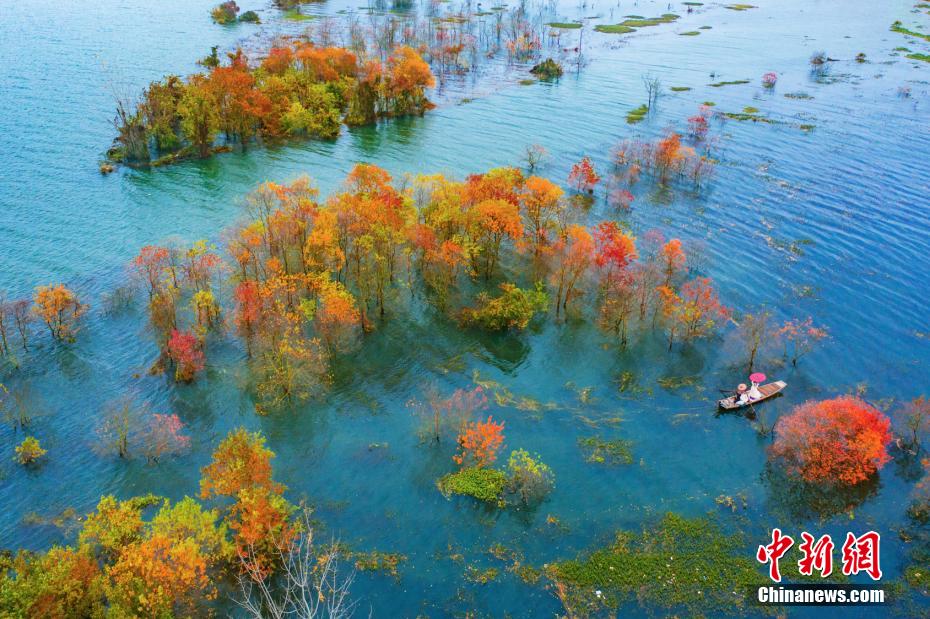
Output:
x=850 y=194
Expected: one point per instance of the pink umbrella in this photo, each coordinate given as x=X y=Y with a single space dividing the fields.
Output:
x=758 y=377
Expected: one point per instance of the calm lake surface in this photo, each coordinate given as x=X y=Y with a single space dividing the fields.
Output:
x=831 y=222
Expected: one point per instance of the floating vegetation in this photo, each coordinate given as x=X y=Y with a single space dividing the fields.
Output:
x=613 y=29
x=600 y=451
x=377 y=561
x=798 y=95
x=709 y=103
x=900 y=29
x=751 y=110
x=673 y=383
x=484 y=484
x=637 y=114
x=296 y=15
x=680 y=564
x=693 y=3
x=729 y=83
x=564 y=25
x=635 y=21
x=749 y=116
x=806 y=127
x=922 y=57
x=646 y=22
x=481 y=577
x=526 y=82
x=690 y=33
x=706 y=28
x=739 y=7
x=680 y=88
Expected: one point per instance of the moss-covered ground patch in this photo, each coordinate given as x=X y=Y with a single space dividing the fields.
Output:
x=637 y=114
x=680 y=564
x=600 y=451
x=483 y=484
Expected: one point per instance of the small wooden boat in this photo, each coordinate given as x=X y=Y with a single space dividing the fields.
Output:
x=768 y=390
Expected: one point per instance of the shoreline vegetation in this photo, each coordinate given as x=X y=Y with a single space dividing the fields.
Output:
x=296 y=91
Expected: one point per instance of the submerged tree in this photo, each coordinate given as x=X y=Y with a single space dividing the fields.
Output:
x=60 y=309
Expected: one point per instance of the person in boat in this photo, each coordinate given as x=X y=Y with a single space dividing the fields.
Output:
x=754 y=393
x=742 y=394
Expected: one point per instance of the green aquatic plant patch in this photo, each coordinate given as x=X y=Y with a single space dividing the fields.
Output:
x=484 y=484
x=637 y=114
x=680 y=563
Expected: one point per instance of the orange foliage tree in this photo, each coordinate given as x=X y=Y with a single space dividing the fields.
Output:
x=479 y=443
x=840 y=441
x=60 y=308
x=693 y=313
x=573 y=255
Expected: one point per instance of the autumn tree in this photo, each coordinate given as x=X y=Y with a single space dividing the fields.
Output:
x=479 y=442
x=240 y=461
x=800 y=337
x=494 y=220
x=754 y=331
x=573 y=255
x=695 y=312
x=200 y=119
x=410 y=76
x=672 y=258
x=583 y=177
x=615 y=252
x=914 y=422
x=540 y=204
x=260 y=516
x=186 y=352
x=842 y=441
x=60 y=309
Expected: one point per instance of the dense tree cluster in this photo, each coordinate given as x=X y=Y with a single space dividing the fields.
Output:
x=301 y=90
x=149 y=557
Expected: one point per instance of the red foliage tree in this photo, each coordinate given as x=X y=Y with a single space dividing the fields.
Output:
x=583 y=177
x=840 y=441
x=479 y=443
x=185 y=351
